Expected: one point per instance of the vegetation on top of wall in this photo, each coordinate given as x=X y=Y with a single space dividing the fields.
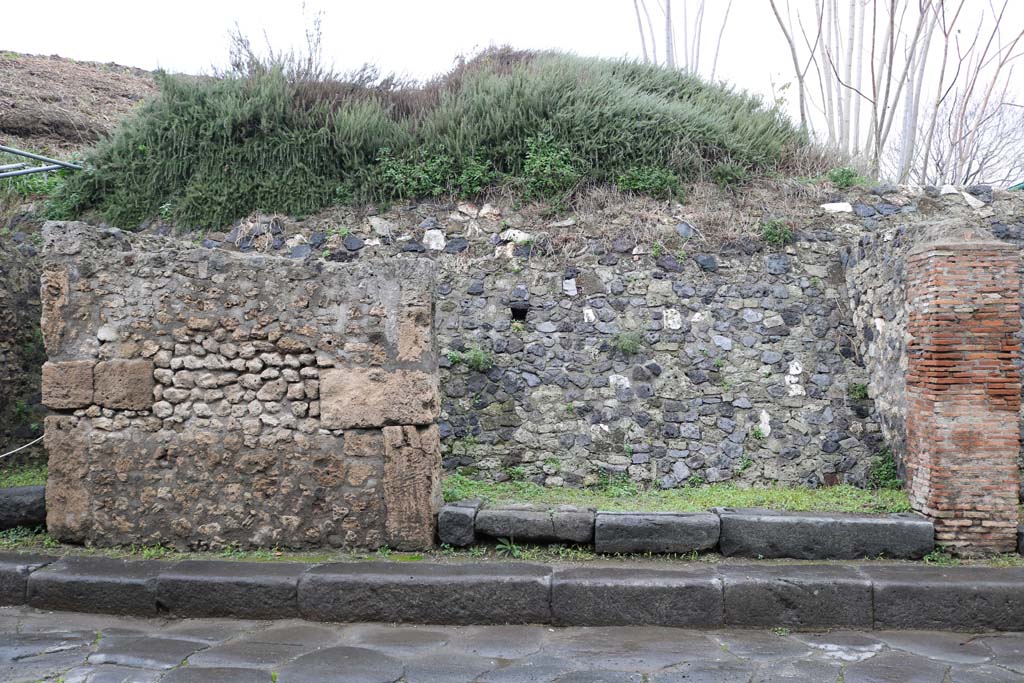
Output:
x=614 y=494
x=282 y=136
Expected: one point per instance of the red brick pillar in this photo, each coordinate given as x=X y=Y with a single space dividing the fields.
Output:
x=963 y=392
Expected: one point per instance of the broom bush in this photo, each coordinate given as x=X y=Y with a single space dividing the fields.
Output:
x=277 y=139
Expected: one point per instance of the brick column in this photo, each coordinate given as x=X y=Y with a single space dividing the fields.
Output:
x=963 y=392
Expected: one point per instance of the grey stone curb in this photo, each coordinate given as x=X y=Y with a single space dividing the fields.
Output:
x=804 y=596
x=734 y=532
x=22 y=506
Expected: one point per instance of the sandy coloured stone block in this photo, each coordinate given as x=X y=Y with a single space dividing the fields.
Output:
x=68 y=515
x=412 y=485
x=68 y=384
x=372 y=397
x=124 y=384
x=415 y=336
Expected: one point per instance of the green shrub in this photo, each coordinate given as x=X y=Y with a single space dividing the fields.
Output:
x=549 y=171
x=883 y=474
x=659 y=183
x=776 y=233
x=728 y=175
x=277 y=137
x=858 y=391
x=844 y=178
x=475 y=357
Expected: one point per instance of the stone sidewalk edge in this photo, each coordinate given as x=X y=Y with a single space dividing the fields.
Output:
x=798 y=596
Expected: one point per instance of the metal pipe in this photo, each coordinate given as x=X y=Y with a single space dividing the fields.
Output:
x=26 y=171
x=12 y=167
x=37 y=157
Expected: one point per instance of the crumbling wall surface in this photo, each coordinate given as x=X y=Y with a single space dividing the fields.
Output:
x=20 y=347
x=210 y=399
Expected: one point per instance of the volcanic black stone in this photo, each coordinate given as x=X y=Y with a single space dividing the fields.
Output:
x=707 y=262
x=801 y=596
x=22 y=506
x=432 y=593
x=237 y=589
x=96 y=584
x=455 y=523
x=635 y=597
x=656 y=532
x=817 y=536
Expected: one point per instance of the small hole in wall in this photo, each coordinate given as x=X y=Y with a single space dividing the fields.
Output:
x=519 y=311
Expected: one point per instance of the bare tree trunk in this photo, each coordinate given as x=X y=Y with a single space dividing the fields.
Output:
x=848 y=95
x=670 y=60
x=650 y=29
x=858 y=72
x=640 y=27
x=824 y=19
x=718 y=43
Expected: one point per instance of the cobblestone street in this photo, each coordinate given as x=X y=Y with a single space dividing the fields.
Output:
x=82 y=648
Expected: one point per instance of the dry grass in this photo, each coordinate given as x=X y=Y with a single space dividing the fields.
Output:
x=59 y=106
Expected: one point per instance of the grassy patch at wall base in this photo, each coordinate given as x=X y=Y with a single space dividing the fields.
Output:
x=627 y=496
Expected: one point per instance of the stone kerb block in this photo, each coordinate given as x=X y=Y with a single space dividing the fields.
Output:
x=124 y=384
x=456 y=523
x=67 y=385
x=803 y=596
x=655 y=532
x=636 y=597
x=823 y=536
x=564 y=524
x=374 y=397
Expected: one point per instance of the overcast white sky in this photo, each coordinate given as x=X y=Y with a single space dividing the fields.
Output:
x=417 y=38
x=412 y=37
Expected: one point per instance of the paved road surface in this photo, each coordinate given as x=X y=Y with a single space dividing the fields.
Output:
x=83 y=648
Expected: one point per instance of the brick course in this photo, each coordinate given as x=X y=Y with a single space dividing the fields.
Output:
x=963 y=392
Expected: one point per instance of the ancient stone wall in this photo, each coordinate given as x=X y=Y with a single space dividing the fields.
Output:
x=675 y=370
x=210 y=399
x=21 y=348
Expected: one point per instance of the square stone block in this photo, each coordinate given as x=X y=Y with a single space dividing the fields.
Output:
x=374 y=397
x=124 y=384
x=68 y=384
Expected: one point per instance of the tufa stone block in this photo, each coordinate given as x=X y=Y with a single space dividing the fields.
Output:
x=124 y=384
x=412 y=485
x=372 y=397
x=68 y=384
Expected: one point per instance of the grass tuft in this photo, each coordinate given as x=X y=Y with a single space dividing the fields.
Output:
x=27 y=474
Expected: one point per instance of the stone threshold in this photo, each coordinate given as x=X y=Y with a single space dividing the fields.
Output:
x=732 y=532
x=805 y=596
